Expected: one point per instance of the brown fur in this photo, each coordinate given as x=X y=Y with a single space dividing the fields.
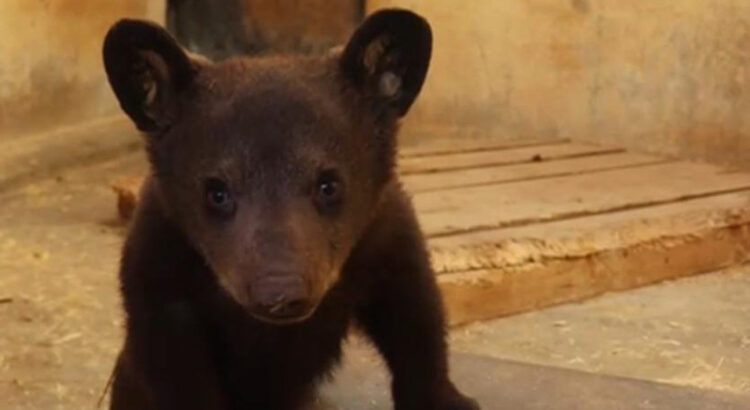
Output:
x=208 y=296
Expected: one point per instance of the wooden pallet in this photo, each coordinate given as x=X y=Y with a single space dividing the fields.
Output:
x=518 y=226
x=514 y=228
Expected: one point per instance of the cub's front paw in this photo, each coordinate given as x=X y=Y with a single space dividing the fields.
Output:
x=457 y=401
x=445 y=398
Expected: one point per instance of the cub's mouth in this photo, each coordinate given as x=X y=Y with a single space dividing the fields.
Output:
x=285 y=315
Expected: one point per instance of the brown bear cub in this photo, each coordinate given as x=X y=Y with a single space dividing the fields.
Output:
x=273 y=218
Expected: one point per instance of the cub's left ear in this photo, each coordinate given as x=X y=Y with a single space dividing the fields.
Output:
x=388 y=56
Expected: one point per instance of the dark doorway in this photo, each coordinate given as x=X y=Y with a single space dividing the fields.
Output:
x=222 y=28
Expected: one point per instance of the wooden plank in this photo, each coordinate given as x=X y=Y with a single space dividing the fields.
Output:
x=508 y=248
x=515 y=270
x=461 y=145
x=494 y=206
x=466 y=160
x=523 y=172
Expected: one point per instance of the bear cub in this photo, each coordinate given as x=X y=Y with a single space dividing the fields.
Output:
x=273 y=219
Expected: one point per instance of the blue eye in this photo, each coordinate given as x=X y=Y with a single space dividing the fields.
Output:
x=218 y=198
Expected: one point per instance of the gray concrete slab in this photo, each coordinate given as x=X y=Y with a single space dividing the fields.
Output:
x=498 y=384
x=690 y=332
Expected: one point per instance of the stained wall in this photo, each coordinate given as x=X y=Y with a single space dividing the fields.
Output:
x=50 y=60
x=662 y=76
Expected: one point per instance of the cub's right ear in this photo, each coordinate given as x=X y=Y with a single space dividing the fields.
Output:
x=147 y=70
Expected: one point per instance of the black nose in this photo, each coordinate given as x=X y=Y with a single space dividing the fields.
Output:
x=280 y=296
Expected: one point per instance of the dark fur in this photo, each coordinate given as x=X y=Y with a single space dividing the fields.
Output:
x=191 y=283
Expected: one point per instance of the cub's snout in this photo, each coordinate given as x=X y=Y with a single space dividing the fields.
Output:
x=280 y=297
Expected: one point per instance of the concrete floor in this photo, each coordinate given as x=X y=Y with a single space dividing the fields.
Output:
x=691 y=332
x=498 y=384
x=59 y=246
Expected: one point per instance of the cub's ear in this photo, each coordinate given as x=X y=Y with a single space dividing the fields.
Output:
x=147 y=69
x=388 y=56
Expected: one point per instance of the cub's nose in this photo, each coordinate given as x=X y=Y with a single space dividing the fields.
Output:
x=280 y=297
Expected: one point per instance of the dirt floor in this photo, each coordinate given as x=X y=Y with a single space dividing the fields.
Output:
x=61 y=318
x=59 y=246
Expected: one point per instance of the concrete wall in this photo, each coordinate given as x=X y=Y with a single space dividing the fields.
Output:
x=51 y=73
x=661 y=76
x=50 y=60
x=667 y=76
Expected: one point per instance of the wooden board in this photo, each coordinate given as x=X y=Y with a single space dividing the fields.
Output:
x=455 y=146
x=504 y=271
x=518 y=236
x=504 y=174
x=496 y=157
x=470 y=209
x=508 y=248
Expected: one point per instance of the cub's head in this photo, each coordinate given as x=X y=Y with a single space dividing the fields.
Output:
x=272 y=167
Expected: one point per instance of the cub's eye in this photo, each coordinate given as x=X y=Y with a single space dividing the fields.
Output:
x=218 y=198
x=329 y=190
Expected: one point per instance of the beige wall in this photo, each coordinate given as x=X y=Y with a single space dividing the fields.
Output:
x=50 y=60
x=662 y=76
x=667 y=76
x=51 y=72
